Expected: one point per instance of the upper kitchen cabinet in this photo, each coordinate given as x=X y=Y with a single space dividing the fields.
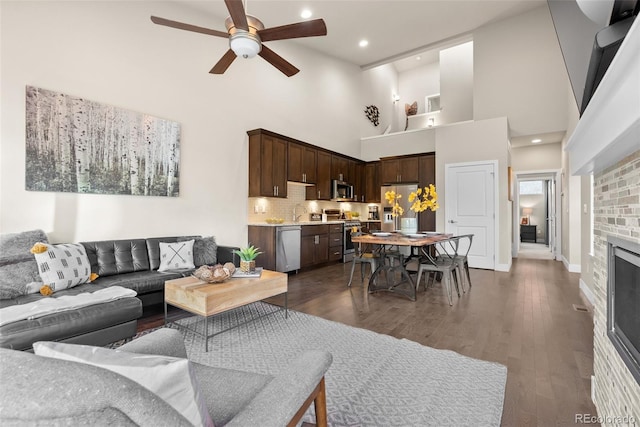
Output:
x=322 y=189
x=302 y=163
x=358 y=181
x=372 y=182
x=399 y=169
x=267 y=164
x=339 y=168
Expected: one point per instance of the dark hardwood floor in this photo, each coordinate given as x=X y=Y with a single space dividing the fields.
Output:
x=523 y=319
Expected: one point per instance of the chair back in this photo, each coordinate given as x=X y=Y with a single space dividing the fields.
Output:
x=465 y=242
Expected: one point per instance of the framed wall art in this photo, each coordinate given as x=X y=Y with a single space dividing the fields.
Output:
x=81 y=146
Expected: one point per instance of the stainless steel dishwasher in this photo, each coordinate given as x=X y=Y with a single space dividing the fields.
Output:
x=288 y=248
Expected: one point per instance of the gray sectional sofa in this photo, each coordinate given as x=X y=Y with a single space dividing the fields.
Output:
x=50 y=391
x=130 y=263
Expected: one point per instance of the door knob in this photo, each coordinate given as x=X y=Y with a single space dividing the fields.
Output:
x=452 y=221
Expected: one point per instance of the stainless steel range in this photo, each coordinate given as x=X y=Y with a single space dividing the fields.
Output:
x=348 y=249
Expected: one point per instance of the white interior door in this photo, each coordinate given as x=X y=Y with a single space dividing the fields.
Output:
x=470 y=209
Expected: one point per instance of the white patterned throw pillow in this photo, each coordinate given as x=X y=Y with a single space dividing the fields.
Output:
x=62 y=266
x=171 y=378
x=176 y=256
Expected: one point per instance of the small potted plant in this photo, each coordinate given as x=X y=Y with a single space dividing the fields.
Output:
x=248 y=257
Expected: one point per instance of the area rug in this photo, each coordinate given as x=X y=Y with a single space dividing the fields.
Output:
x=375 y=379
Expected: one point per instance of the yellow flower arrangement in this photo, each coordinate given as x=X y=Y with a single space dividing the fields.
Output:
x=429 y=199
x=392 y=198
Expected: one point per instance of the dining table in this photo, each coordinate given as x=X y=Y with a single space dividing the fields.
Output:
x=391 y=276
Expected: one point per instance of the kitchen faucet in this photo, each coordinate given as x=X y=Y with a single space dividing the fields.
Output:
x=296 y=218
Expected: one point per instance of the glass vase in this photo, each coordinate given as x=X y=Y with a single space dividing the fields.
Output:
x=409 y=225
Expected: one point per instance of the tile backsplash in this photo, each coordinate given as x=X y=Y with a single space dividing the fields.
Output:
x=261 y=208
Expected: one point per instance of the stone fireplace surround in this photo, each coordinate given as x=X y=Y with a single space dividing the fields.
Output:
x=606 y=143
x=616 y=213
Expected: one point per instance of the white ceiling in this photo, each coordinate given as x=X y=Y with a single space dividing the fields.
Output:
x=395 y=29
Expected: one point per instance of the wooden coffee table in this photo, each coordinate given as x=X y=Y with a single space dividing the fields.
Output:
x=207 y=299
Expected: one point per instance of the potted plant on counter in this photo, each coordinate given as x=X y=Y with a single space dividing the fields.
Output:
x=248 y=257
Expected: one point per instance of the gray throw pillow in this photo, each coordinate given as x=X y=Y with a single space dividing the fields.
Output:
x=205 y=250
x=18 y=267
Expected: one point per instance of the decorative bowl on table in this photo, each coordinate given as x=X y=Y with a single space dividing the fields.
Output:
x=274 y=220
x=215 y=274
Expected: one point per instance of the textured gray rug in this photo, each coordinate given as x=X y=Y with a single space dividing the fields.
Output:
x=375 y=380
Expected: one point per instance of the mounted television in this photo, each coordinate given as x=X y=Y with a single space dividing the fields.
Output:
x=590 y=33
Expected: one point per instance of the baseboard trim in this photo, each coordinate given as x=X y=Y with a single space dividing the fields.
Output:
x=573 y=268
x=588 y=294
x=504 y=267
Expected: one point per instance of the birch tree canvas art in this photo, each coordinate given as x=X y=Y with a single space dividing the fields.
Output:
x=80 y=146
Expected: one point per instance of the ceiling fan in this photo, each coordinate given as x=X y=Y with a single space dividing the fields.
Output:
x=246 y=36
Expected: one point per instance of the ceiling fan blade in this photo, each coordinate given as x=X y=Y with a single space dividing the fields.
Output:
x=277 y=61
x=313 y=28
x=224 y=63
x=238 y=16
x=188 y=27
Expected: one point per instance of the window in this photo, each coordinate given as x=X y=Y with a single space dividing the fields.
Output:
x=531 y=187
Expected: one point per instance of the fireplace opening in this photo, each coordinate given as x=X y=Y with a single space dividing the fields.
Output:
x=623 y=301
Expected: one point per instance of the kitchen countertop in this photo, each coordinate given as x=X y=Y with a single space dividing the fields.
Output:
x=288 y=223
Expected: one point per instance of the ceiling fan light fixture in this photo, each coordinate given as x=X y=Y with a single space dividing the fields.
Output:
x=244 y=45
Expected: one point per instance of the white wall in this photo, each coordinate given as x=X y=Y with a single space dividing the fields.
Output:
x=476 y=141
x=417 y=83
x=379 y=84
x=539 y=157
x=456 y=84
x=397 y=144
x=111 y=53
x=519 y=73
x=571 y=198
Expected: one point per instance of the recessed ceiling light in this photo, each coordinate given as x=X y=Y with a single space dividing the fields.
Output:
x=363 y=43
x=418 y=58
x=535 y=141
x=306 y=14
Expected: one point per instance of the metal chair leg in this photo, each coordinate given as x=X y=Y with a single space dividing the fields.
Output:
x=353 y=267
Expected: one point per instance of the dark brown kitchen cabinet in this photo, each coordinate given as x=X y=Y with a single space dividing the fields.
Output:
x=358 y=182
x=302 y=163
x=372 y=182
x=314 y=245
x=322 y=189
x=264 y=238
x=427 y=175
x=336 y=235
x=399 y=169
x=267 y=165
x=340 y=168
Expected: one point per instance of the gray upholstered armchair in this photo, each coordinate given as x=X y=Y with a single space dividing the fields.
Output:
x=40 y=390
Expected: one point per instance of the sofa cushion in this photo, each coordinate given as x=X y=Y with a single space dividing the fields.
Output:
x=153 y=248
x=67 y=324
x=18 y=268
x=47 y=392
x=62 y=266
x=170 y=378
x=205 y=250
x=142 y=282
x=109 y=257
x=228 y=391
x=176 y=256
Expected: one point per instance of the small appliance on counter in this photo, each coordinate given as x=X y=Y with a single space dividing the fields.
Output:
x=373 y=213
x=315 y=217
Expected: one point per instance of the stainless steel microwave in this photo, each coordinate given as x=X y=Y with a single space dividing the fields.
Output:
x=341 y=191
